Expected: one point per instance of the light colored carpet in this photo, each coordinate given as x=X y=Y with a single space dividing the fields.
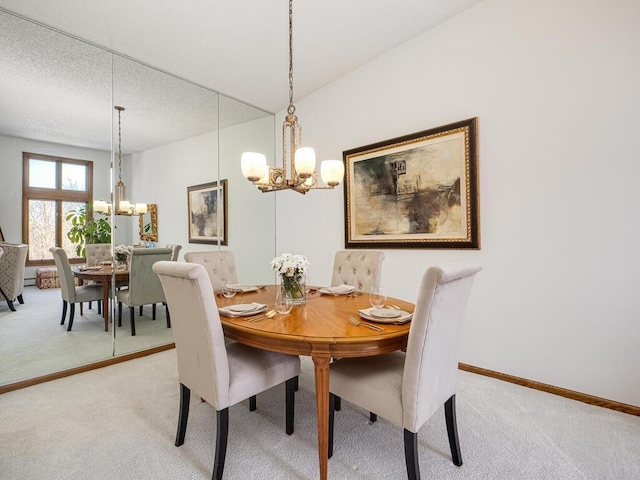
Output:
x=33 y=343
x=119 y=422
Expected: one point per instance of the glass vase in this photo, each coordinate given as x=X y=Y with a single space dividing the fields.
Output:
x=294 y=288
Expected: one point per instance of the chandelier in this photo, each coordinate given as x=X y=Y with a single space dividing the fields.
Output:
x=122 y=205
x=302 y=160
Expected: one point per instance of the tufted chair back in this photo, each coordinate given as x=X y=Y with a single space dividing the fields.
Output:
x=12 y=266
x=220 y=266
x=97 y=253
x=67 y=287
x=361 y=269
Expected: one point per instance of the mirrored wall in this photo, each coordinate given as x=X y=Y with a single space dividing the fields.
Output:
x=58 y=97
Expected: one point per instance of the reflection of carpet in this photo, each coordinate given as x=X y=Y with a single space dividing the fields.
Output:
x=33 y=343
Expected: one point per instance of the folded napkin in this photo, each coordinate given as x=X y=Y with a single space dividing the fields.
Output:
x=339 y=290
x=243 y=310
x=245 y=288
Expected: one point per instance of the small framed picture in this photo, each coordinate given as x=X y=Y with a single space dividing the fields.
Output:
x=207 y=207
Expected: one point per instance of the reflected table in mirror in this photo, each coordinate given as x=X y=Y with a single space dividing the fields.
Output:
x=320 y=329
x=104 y=276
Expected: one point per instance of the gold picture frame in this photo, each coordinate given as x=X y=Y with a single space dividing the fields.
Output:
x=415 y=191
x=149 y=224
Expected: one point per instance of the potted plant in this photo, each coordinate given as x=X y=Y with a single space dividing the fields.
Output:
x=85 y=231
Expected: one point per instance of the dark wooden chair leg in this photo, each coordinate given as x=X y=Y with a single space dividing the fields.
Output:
x=133 y=320
x=166 y=309
x=332 y=409
x=20 y=299
x=222 y=433
x=141 y=310
x=99 y=307
x=183 y=415
x=153 y=311
x=290 y=402
x=452 y=430
x=72 y=312
x=411 y=455
x=90 y=304
x=64 y=311
x=119 y=314
x=9 y=302
x=81 y=312
x=296 y=385
x=338 y=403
x=252 y=403
x=373 y=418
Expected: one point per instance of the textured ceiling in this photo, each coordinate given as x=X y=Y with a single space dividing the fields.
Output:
x=238 y=48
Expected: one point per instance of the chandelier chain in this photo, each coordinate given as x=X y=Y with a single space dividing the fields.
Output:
x=291 y=108
x=119 y=143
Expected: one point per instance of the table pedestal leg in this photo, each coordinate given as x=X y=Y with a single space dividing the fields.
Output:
x=105 y=305
x=322 y=410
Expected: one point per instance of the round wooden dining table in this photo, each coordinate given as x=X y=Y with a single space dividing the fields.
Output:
x=319 y=329
x=104 y=276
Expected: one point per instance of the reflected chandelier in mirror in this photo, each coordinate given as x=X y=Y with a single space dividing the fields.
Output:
x=149 y=224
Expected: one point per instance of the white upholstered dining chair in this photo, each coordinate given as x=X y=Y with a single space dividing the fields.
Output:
x=70 y=293
x=219 y=265
x=361 y=269
x=408 y=388
x=222 y=375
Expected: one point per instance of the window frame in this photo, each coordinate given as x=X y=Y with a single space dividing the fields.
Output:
x=58 y=195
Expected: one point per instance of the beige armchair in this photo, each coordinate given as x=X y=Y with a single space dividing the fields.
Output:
x=361 y=269
x=221 y=375
x=144 y=285
x=12 y=267
x=408 y=388
x=220 y=266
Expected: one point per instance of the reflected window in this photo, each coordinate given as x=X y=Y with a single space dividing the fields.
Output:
x=54 y=187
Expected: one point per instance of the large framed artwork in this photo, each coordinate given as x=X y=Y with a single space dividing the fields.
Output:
x=415 y=191
x=207 y=206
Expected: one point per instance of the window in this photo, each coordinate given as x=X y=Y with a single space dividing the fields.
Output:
x=51 y=187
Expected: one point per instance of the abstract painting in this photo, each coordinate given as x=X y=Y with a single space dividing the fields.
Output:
x=415 y=191
x=207 y=207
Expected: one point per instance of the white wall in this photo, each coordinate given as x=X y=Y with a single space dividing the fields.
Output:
x=554 y=85
x=11 y=149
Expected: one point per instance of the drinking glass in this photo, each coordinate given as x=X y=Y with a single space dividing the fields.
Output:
x=228 y=289
x=283 y=302
x=377 y=296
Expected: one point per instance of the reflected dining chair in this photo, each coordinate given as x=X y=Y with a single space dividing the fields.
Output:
x=408 y=388
x=175 y=251
x=361 y=269
x=219 y=265
x=96 y=254
x=144 y=285
x=71 y=294
x=222 y=375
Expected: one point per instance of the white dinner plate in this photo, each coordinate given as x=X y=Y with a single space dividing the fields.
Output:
x=402 y=317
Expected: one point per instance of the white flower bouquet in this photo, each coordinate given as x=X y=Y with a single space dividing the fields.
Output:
x=123 y=252
x=292 y=269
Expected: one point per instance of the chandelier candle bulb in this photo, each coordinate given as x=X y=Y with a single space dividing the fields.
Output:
x=254 y=166
x=305 y=162
x=141 y=208
x=332 y=172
